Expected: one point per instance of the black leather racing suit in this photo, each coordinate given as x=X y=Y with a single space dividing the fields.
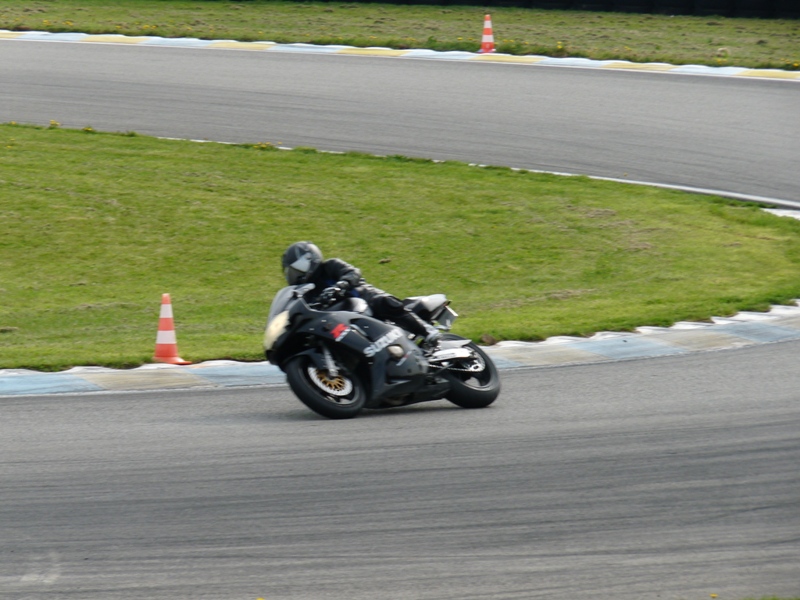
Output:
x=384 y=306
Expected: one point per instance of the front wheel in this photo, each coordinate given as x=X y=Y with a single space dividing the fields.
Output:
x=340 y=397
x=474 y=381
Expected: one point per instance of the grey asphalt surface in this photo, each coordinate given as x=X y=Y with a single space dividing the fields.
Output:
x=673 y=477
x=736 y=135
x=668 y=478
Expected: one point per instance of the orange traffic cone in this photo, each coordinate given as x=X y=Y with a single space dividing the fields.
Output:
x=487 y=41
x=166 y=342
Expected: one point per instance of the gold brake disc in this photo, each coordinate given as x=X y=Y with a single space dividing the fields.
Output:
x=338 y=386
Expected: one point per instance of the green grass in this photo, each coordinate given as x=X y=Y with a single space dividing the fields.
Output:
x=95 y=227
x=717 y=41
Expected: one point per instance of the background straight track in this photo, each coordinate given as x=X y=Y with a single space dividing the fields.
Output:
x=736 y=135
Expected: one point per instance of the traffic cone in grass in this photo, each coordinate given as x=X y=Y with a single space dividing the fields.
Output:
x=166 y=342
x=487 y=41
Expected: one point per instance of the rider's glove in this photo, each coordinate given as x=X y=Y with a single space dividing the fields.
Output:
x=330 y=294
x=343 y=285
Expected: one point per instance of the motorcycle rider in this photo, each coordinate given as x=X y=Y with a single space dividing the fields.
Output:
x=303 y=263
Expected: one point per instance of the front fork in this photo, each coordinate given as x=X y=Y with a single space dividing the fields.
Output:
x=330 y=364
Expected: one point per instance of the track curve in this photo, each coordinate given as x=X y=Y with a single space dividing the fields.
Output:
x=670 y=478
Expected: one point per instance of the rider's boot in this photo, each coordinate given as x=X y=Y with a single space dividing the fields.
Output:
x=413 y=323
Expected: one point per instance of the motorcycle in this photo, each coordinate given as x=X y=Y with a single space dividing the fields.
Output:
x=339 y=359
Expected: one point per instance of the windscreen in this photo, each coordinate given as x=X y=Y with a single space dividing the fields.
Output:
x=284 y=296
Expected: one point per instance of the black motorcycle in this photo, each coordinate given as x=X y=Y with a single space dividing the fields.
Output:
x=339 y=359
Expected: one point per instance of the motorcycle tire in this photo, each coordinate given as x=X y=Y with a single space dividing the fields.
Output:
x=340 y=398
x=473 y=389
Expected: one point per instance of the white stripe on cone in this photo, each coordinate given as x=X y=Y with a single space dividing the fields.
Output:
x=166 y=337
x=166 y=311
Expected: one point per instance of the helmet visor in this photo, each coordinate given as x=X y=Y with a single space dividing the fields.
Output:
x=297 y=271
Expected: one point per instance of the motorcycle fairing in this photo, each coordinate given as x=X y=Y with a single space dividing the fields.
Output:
x=389 y=376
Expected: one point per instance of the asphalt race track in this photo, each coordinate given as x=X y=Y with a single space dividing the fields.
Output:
x=663 y=478
x=735 y=135
x=670 y=478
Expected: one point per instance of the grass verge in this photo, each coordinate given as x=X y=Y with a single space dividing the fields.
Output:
x=716 y=41
x=95 y=227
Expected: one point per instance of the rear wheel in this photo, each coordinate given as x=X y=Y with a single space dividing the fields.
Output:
x=340 y=397
x=474 y=381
